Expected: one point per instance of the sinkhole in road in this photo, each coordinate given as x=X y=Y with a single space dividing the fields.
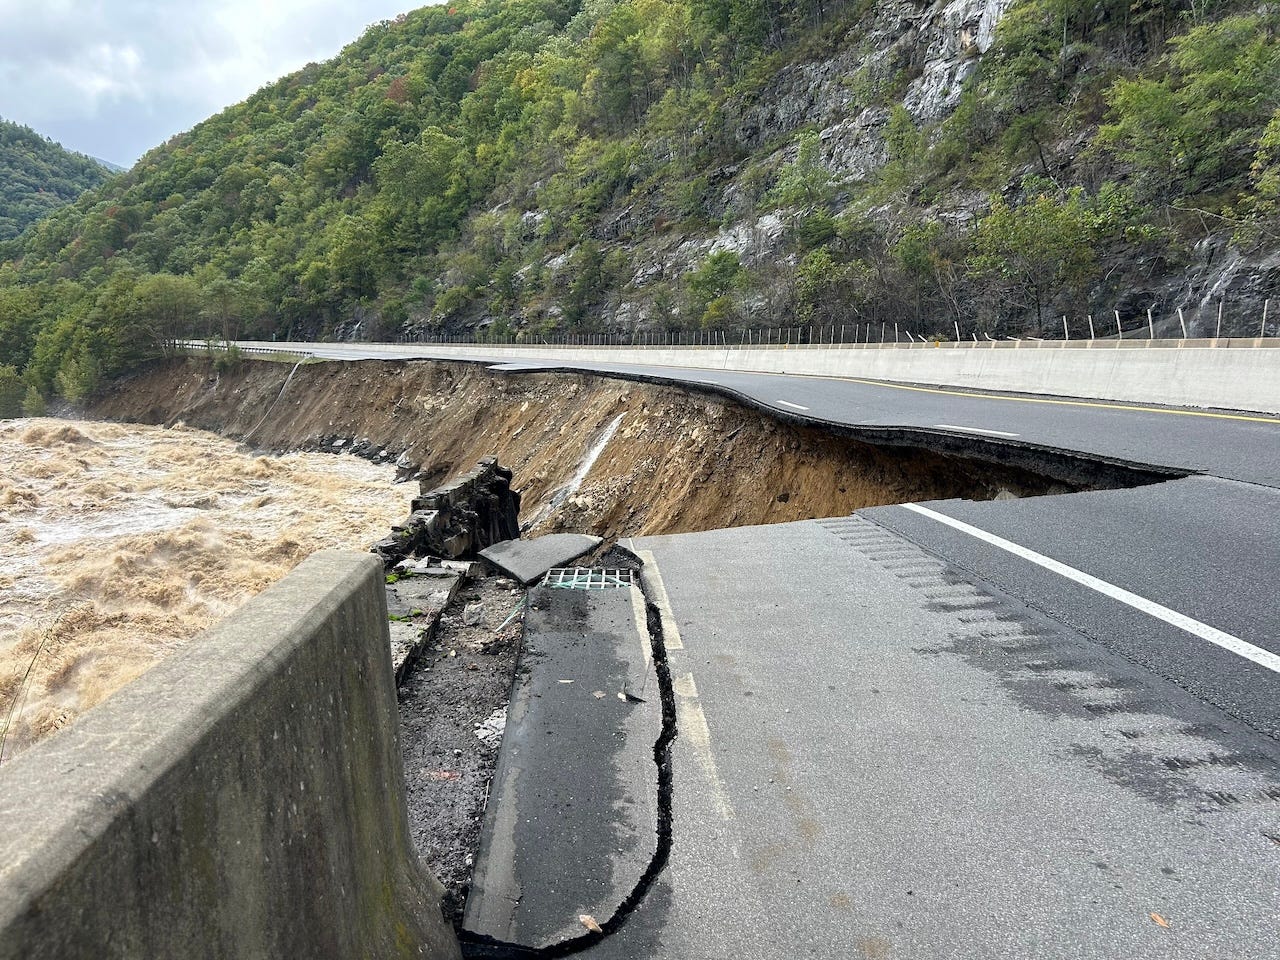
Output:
x=600 y=455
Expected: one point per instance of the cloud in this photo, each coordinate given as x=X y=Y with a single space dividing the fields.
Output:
x=113 y=79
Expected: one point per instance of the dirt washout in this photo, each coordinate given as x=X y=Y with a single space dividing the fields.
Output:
x=666 y=461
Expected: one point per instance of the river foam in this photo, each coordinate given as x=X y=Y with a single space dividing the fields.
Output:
x=123 y=542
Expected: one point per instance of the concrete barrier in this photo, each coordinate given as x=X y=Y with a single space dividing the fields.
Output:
x=242 y=799
x=1227 y=374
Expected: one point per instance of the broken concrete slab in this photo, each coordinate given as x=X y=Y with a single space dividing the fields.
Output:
x=408 y=638
x=422 y=594
x=529 y=560
x=475 y=510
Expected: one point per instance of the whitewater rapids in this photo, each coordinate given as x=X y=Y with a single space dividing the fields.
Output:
x=123 y=542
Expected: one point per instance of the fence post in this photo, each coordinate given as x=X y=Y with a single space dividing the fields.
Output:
x=956 y=323
x=1266 y=305
x=895 y=332
x=1182 y=320
x=1151 y=326
x=1119 y=329
x=1091 y=336
x=1066 y=334
x=1218 y=334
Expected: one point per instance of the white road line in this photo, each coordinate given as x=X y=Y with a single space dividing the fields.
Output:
x=1263 y=658
x=642 y=625
x=994 y=433
x=788 y=403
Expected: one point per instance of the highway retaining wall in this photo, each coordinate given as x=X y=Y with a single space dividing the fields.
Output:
x=1226 y=374
x=242 y=799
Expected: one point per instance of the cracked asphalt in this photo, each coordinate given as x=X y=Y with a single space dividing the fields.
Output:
x=1038 y=728
x=881 y=755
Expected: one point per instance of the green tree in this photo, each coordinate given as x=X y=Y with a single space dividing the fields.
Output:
x=1260 y=207
x=78 y=376
x=226 y=303
x=12 y=389
x=19 y=317
x=828 y=290
x=905 y=145
x=170 y=304
x=804 y=183
x=33 y=404
x=1039 y=249
x=590 y=280
x=932 y=258
x=719 y=275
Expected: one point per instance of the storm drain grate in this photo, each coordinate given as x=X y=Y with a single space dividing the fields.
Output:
x=587 y=578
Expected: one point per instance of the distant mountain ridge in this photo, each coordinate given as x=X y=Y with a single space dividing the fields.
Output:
x=37 y=176
x=112 y=167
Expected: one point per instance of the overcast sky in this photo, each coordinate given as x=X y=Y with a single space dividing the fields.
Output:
x=113 y=78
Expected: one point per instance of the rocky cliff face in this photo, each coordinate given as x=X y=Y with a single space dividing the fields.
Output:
x=957 y=35
x=844 y=97
x=919 y=56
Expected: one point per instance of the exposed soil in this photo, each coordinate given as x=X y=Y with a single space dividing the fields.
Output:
x=449 y=754
x=676 y=461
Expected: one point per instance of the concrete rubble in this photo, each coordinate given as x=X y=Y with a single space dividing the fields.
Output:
x=414 y=605
x=458 y=519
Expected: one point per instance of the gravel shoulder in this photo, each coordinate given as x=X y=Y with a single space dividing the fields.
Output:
x=452 y=709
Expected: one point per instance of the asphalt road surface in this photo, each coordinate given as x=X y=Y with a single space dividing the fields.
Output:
x=1036 y=728
x=881 y=755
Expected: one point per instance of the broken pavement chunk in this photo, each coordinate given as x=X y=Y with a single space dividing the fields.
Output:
x=529 y=560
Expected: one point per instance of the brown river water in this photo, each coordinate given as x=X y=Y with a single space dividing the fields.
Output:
x=123 y=542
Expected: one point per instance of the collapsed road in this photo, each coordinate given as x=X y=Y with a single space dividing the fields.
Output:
x=1038 y=727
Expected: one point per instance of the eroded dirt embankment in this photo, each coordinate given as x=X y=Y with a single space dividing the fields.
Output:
x=674 y=462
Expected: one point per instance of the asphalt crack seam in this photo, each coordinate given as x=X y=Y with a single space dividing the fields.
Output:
x=479 y=946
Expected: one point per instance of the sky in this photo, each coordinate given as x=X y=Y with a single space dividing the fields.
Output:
x=114 y=78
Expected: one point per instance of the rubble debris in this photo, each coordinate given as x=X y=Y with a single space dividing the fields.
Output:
x=457 y=520
x=452 y=716
x=491 y=729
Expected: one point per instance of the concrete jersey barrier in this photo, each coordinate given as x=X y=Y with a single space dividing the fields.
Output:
x=244 y=798
x=1240 y=374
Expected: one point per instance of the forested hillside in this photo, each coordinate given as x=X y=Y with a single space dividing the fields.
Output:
x=531 y=166
x=38 y=176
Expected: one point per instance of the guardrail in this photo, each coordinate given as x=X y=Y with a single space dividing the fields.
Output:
x=1218 y=343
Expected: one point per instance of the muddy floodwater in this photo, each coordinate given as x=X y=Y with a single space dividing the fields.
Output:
x=123 y=542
